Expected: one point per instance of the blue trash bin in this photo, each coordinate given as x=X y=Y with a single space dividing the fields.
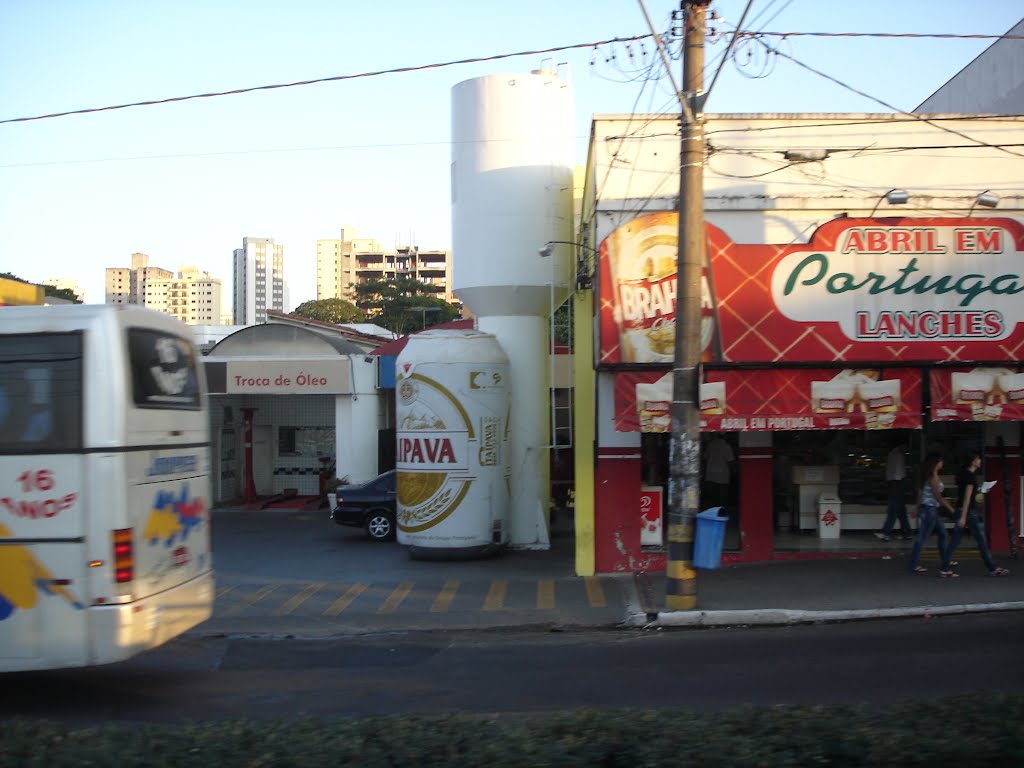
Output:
x=710 y=535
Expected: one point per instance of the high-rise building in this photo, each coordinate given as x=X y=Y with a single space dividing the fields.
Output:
x=259 y=280
x=192 y=296
x=344 y=263
x=126 y=285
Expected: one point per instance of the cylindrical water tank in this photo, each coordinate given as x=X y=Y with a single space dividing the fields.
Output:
x=452 y=407
x=512 y=192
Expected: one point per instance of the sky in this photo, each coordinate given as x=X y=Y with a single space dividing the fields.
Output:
x=185 y=181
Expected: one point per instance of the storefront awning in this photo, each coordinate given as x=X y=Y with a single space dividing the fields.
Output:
x=977 y=394
x=777 y=399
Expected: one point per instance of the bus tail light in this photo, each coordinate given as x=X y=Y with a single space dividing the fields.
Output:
x=124 y=556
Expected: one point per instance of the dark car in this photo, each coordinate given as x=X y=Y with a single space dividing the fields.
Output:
x=370 y=506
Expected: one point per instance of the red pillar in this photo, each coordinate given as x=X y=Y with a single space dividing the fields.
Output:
x=1003 y=464
x=757 y=532
x=249 y=490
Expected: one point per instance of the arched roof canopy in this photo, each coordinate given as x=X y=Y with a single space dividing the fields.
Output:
x=273 y=340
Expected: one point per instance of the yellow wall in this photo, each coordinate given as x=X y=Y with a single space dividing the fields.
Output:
x=14 y=293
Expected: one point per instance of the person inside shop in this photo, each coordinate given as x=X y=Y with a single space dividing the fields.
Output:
x=927 y=514
x=718 y=472
x=969 y=495
x=896 y=485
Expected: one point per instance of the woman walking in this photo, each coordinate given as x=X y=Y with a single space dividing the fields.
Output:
x=967 y=493
x=928 y=518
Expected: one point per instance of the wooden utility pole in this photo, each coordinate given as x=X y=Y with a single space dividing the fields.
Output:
x=684 y=470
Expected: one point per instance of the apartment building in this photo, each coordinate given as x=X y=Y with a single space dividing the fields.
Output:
x=342 y=264
x=126 y=285
x=67 y=283
x=192 y=296
x=259 y=280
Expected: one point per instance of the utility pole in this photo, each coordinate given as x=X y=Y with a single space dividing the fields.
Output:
x=684 y=459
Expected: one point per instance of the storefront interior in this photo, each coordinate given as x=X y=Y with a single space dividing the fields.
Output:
x=849 y=465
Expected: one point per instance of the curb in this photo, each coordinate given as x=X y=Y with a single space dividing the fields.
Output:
x=781 y=616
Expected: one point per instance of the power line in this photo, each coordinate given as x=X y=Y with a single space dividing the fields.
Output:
x=936 y=36
x=885 y=104
x=335 y=78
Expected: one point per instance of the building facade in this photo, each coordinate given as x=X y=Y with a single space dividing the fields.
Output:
x=837 y=325
x=194 y=297
x=258 y=280
x=127 y=285
x=342 y=264
x=67 y=283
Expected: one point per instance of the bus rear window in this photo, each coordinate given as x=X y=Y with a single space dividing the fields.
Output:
x=40 y=392
x=163 y=370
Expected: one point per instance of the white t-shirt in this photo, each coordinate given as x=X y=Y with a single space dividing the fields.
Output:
x=719 y=455
x=896 y=465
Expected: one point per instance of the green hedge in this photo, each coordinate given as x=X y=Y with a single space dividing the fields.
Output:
x=960 y=731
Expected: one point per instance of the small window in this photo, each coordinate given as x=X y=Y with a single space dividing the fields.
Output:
x=163 y=370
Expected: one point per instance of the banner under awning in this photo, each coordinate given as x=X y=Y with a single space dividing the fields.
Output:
x=977 y=394
x=776 y=399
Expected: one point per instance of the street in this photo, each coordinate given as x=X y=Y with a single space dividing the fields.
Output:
x=199 y=679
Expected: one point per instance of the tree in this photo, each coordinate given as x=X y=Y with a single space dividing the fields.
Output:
x=404 y=305
x=330 y=311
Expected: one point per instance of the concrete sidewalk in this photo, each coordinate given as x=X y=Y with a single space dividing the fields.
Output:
x=292 y=572
x=829 y=589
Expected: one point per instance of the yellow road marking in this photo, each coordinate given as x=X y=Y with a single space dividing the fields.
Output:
x=221 y=591
x=396 y=597
x=294 y=602
x=545 y=595
x=595 y=592
x=495 y=600
x=444 y=598
x=345 y=600
x=254 y=598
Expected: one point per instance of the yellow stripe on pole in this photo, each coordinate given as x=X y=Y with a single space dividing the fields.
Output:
x=680 y=569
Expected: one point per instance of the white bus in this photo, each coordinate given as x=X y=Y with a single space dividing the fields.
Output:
x=104 y=485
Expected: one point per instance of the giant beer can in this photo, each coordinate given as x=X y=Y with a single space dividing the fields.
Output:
x=452 y=404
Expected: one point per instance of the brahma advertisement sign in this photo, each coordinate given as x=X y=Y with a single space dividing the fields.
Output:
x=880 y=290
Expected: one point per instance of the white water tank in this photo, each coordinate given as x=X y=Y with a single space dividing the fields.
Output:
x=512 y=177
x=512 y=193
x=452 y=407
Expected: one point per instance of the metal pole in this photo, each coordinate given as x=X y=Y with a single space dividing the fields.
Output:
x=684 y=460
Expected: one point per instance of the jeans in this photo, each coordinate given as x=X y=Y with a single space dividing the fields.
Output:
x=928 y=521
x=978 y=532
x=897 y=509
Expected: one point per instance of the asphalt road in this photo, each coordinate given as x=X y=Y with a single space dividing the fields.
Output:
x=199 y=678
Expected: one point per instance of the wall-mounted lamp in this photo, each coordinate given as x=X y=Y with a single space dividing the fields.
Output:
x=986 y=200
x=584 y=263
x=893 y=197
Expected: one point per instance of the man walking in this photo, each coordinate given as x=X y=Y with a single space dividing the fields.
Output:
x=896 y=482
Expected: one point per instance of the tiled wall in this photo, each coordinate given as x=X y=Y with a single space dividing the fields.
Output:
x=312 y=416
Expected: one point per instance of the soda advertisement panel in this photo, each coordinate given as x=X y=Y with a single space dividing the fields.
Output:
x=776 y=399
x=879 y=290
